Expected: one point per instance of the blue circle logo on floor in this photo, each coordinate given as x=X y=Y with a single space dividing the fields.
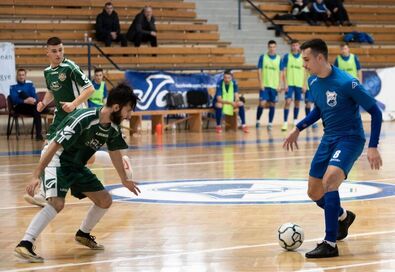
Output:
x=241 y=191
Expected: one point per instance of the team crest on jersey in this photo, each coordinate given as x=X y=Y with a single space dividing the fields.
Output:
x=62 y=76
x=331 y=98
x=55 y=86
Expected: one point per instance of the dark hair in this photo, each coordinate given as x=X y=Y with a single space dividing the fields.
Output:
x=122 y=94
x=343 y=44
x=54 y=41
x=317 y=46
x=294 y=41
x=108 y=4
x=97 y=70
x=271 y=42
x=228 y=72
x=21 y=70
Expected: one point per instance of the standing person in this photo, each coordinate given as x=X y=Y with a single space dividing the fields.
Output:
x=294 y=80
x=97 y=98
x=108 y=29
x=63 y=166
x=24 y=98
x=337 y=97
x=64 y=79
x=349 y=62
x=269 y=80
x=226 y=99
x=143 y=28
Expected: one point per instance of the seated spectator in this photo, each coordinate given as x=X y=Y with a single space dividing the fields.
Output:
x=108 y=28
x=24 y=98
x=226 y=99
x=300 y=9
x=143 y=28
x=320 y=12
x=97 y=98
x=339 y=12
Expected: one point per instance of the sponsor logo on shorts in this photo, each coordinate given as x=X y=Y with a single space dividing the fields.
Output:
x=50 y=183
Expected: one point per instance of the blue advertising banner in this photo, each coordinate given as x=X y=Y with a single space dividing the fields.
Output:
x=152 y=87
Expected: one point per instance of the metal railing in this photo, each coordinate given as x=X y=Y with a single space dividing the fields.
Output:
x=274 y=25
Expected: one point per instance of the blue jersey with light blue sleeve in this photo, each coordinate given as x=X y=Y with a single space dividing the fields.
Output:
x=338 y=97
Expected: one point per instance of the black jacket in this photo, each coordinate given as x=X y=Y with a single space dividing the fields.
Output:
x=107 y=23
x=140 y=24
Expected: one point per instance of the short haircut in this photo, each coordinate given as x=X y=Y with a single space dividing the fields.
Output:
x=21 y=70
x=228 y=72
x=294 y=41
x=54 y=41
x=343 y=44
x=97 y=70
x=122 y=94
x=271 y=42
x=317 y=46
x=108 y=4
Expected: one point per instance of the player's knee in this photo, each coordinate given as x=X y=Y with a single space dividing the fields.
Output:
x=57 y=203
x=330 y=182
x=105 y=202
x=313 y=194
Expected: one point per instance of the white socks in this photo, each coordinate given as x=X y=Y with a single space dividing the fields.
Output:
x=343 y=216
x=332 y=244
x=39 y=222
x=94 y=215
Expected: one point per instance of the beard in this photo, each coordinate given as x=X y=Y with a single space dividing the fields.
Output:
x=116 y=117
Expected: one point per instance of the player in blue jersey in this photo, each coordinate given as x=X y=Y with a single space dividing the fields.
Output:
x=337 y=97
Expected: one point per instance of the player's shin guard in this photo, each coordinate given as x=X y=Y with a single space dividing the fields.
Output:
x=332 y=207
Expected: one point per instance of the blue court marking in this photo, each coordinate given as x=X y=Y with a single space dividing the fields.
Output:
x=385 y=190
x=307 y=139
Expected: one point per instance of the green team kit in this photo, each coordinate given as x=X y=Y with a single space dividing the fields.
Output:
x=80 y=135
x=64 y=82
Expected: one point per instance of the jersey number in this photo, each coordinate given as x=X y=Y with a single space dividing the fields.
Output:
x=336 y=155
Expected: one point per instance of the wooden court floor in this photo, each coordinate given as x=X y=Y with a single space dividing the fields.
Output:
x=204 y=225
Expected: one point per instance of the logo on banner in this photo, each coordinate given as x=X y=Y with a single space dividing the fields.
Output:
x=155 y=92
x=241 y=191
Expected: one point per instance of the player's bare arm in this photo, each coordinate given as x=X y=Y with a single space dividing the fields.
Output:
x=291 y=140
x=70 y=106
x=116 y=158
x=48 y=98
x=374 y=158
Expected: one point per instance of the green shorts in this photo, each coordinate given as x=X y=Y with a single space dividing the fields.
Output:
x=58 y=180
x=52 y=128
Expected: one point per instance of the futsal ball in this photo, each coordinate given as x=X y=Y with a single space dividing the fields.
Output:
x=290 y=236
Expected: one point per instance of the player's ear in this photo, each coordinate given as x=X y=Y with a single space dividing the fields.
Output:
x=115 y=108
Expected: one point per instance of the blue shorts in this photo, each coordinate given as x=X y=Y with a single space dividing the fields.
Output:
x=342 y=152
x=268 y=94
x=294 y=90
x=307 y=97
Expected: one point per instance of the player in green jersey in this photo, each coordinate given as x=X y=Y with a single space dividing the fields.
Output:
x=76 y=139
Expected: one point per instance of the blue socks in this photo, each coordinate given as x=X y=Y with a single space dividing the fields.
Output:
x=321 y=203
x=259 y=112
x=296 y=113
x=332 y=207
x=271 y=114
x=242 y=115
x=218 y=116
x=286 y=112
x=307 y=110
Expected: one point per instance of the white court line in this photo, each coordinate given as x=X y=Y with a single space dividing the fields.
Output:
x=348 y=266
x=126 y=259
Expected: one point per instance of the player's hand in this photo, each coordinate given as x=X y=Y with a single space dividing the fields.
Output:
x=31 y=187
x=291 y=140
x=40 y=106
x=132 y=187
x=304 y=89
x=374 y=158
x=68 y=106
x=153 y=33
